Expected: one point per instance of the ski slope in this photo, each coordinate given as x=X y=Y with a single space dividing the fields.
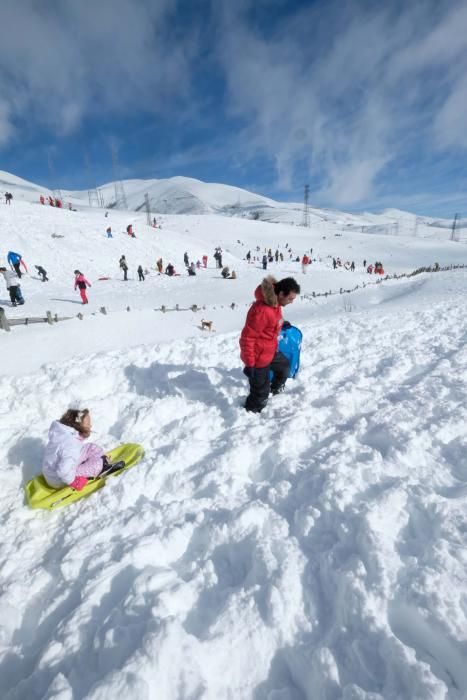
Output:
x=315 y=551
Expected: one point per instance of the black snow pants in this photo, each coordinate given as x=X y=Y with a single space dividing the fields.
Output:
x=260 y=384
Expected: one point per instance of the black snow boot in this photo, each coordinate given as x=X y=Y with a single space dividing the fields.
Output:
x=277 y=389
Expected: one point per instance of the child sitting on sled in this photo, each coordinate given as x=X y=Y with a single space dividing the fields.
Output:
x=67 y=461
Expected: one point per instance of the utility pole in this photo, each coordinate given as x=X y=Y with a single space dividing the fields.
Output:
x=453 y=231
x=306 y=213
x=94 y=196
x=57 y=191
x=120 y=196
x=148 y=210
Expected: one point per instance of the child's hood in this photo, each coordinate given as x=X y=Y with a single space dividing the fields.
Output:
x=59 y=432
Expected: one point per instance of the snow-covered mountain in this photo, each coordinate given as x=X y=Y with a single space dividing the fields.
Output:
x=184 y=195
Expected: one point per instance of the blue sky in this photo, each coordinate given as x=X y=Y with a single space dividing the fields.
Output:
x=366 y=100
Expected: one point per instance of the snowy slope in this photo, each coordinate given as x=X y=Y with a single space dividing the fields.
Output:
x=316 y=551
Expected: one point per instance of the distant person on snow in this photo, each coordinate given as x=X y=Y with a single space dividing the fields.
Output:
x=109 y=232
x=124 y=266
x=205 y=260
x=185 y=259
x=259 y=340
x=15 y=260
x=42 y=273
x=192 y=269
x=160 y=266
x=42 y=199
x=140 y=274
x=305 y=260
x=225 y=272
x=67 y=461
x=13 y=286
x=129 y=230
x=81 y=283
x=265 y=262
x=170 y=270
x=8 y=197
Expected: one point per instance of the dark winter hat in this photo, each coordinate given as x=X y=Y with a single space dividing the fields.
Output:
x=77 y=272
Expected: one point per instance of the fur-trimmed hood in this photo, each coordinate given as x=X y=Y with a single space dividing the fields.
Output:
x=265 y=292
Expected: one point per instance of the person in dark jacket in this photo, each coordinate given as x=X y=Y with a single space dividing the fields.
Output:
x=170 y=270
x=265 y=262
x=140 y=273
x=124 y=266
x=259 y=340
x=42 y=272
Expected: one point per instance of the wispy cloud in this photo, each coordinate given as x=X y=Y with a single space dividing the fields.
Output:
x=346 y=86
x=60 y=61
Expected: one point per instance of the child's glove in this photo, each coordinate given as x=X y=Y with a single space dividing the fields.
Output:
x=79 y=483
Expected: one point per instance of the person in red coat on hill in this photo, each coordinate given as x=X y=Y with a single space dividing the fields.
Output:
x=258 y=341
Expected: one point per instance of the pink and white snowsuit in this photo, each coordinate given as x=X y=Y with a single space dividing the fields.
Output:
x=66 y=457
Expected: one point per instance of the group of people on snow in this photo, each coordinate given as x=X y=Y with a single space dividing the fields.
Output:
x=377 y=268
x=68 y=461
x=12 y=277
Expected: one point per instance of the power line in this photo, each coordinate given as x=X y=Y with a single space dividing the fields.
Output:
x=453 y=231
x=120 y=196
x=56 y=191
x=306 y=213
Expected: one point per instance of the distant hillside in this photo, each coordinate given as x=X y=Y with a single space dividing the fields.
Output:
x=184 y=195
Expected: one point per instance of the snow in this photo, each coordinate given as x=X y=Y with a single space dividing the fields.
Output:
x=314 y=552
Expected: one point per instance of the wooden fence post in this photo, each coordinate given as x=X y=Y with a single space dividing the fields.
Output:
x=3 y=320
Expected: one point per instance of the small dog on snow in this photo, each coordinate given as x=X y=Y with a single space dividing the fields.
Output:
x=206 y=325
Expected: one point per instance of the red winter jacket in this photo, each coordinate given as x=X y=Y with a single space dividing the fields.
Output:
x=258 y=341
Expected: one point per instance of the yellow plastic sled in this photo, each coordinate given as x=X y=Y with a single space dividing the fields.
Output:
x=40 y=495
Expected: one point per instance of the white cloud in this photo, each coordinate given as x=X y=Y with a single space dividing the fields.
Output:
x=360 y=83
x=6 y=127
x=62 y=60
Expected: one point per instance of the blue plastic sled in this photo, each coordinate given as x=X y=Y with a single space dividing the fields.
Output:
x=290 y=344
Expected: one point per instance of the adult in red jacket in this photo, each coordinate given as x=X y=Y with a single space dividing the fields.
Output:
x=258 y=341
